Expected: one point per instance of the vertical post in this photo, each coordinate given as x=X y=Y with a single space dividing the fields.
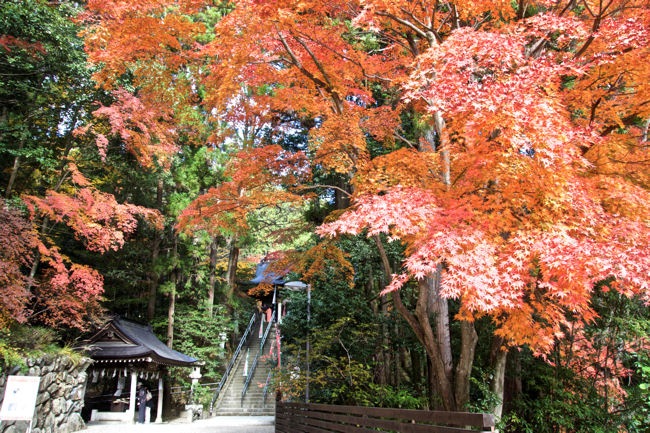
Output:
x=160 y=401
x=195 y=375
x=308 y=339
x=134 y=384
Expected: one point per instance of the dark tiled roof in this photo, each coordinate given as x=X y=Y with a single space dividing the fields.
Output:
x=262 y=276
x=122 y=339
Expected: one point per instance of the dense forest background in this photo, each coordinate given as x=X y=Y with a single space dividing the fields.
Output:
x=152 y=154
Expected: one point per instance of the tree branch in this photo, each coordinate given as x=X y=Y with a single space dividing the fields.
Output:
x=326 y=186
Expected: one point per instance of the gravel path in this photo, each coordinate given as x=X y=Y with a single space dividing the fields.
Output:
x=223 y=424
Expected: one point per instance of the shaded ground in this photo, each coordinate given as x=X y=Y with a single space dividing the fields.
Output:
x=224 y=424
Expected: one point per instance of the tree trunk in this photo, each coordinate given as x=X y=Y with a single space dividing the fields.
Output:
x=416 y=370
x=396 y=360
x=432 y=386
x=440 y=307
x=172 y=295
x=405 y=362
x=231 y=272
x=157 y=239
x=428 y=339
x=14 y=170
x=378 y=309
x=170 y=314
x=421 y=326
x=341 y=200
x=153 y=282
x=498 y=379
x=431 y=287
x=519 y=389
x=37 y=257
x=14 y=173
x=212 y=270
x=465 y=362
x=385 y=340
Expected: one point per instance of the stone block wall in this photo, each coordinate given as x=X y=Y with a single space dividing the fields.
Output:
x=60 y=395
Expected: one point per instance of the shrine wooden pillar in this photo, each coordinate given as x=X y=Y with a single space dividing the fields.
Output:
x=132 y=397
x=160 y=400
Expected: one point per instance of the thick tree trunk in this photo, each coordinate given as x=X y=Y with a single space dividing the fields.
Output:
x=341 y=200
x=212 y=270
x=440 y=307
x=428 y=339
x=421 y=326
x=157 y=239
x=465 y=362
x=498 y=379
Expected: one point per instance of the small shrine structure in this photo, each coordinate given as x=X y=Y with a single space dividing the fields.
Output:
x=124 y=349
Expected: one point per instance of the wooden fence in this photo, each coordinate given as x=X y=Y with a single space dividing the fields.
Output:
x=321 y=418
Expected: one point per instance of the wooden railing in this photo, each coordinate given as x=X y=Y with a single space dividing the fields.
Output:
x=321 y=418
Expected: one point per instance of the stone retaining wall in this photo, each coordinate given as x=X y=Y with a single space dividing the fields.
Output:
x=60 y=395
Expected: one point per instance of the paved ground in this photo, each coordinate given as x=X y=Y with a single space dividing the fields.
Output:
x=222 y=424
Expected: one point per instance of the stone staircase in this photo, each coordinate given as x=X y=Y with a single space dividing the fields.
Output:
x=229 y=401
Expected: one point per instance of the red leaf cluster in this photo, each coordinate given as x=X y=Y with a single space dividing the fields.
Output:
x=96 y=218
x=17 y=241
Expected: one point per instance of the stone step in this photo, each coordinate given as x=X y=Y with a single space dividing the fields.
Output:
x=247 y=403
x=245 y=413
x=238 y=401
x=230 y=399
x=237 y=407
x=247 y=397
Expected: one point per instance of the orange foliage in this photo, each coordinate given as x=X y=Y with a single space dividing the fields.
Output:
x=95 y=217
x=260 y=177
x=145 y=129
x=320 y=262
x=68 y=294
x=538 y=183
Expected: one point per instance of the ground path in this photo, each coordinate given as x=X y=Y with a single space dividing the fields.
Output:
x=222 y=424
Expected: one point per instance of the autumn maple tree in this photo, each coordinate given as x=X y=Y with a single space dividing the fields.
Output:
x=46 y=95
x=521 y=182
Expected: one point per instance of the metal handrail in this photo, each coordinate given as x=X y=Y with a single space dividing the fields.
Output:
x=266 y=388
x=251 y=371
x=242 y=341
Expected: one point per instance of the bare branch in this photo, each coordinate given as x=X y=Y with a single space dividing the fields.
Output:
x=325 y=186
